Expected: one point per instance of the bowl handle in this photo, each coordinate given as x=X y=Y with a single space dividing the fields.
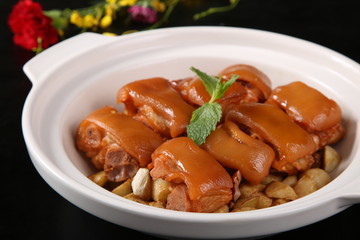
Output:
x=350 y=193
x=37 y=67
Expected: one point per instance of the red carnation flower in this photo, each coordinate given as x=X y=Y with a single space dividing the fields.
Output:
x=31 y=27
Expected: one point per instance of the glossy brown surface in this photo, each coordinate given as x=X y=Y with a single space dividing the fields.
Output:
x=256 y=82
x=252 y=85
x=277 y=129
x=194 y=92
x=156 y=103
x=180 y=160
x=306 y=105
x=311 y=109
x=130 y=135
x=236 y=150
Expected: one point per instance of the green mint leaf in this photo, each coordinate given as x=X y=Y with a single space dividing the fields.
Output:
x=225 y=85
x=211 y=83
x=203 y=122
x=205 y=118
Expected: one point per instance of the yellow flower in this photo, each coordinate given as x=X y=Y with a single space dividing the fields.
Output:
x=109 y=10
x=112 y=35
x=124 y=3
x=106 y=21
x=89 y=21
x=111 y=1
x=76 y=19
x=158 y=5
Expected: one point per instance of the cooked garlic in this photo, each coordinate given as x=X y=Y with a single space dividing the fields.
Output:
x=123 y=189
x=331 y=159
x=280 y=190
x=141 y=184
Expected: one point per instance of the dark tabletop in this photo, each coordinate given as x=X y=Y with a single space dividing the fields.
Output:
x=29 y=207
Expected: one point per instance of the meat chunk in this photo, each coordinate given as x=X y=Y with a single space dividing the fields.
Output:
x=89 y=138
x=181 y=162
x=256 y=83
x=119 y=165
x=178 y=199
x=252 y=85
x=157 y=104
x=289 y=140
x=194 y=92
x=310 y=109
x=116 y=142
x=236 y=150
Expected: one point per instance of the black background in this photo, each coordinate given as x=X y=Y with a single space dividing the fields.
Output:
x=30 y=208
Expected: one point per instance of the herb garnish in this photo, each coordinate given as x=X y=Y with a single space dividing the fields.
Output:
x=204 y=119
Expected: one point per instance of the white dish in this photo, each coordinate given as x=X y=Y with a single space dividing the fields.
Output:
x=83 y=73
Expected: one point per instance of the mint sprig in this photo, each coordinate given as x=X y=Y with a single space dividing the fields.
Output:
x=205 y=118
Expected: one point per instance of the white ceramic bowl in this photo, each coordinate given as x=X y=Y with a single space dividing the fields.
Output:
x=84 y=73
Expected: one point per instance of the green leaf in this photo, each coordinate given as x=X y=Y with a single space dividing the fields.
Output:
x=203 y=122
x=223 y=86
x=205 y=118
x=210 y=82
x=59 y=21
x=213 y=85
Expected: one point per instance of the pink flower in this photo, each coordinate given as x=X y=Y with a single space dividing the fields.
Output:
x=143 y=14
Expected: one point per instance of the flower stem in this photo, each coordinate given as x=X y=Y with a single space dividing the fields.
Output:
x=232 y=5
x=166 y=16
x=39 y=47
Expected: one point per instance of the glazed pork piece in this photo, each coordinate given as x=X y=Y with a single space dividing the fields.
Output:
x=236 y=150
x=252 y=85
x=309 y=108
x=157 y=104
x=268 y=148
x=200 y=183
x=293 y=145
x=194 y=92
x=256 y=83
x=116 y=143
